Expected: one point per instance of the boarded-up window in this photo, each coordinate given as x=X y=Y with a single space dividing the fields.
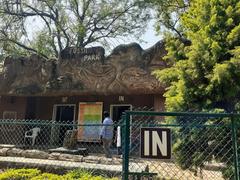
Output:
x=7 y=123
x=88 y=115
x=9 y=115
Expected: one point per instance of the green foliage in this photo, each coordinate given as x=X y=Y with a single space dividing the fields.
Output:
x=228 y=172
x=84 y=175
x=204 y=75
x=15 y=174
x=47 y=27
x=79 y=173
x=35 y=174
x=43 y=44
x=48 y=176
x=202 y=72
x=168 y=14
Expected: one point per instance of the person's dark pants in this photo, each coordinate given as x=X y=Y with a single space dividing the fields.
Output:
x=119 y=150
x=106 y=146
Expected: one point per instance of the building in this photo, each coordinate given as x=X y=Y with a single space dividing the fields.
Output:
x=81 y=84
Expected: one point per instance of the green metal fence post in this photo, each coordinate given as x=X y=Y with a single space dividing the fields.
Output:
x=126 y=135
x=123 y=143
x=235 y=149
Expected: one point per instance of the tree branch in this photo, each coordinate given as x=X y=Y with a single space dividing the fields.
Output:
x=26 y=14
x=27 y=48
x=96 y=29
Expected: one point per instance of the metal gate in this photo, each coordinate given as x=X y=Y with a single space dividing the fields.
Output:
x=203 y=145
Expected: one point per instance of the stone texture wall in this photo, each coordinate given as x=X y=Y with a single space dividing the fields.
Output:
x=127 y=70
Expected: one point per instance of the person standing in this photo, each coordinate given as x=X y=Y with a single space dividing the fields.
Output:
x=106 y=134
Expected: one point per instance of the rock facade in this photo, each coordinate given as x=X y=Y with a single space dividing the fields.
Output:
x=70 y=139
x=37 y=154
x=127 y=70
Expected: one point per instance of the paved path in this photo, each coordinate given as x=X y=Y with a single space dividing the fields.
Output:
x=46 y=163
x=58 y=164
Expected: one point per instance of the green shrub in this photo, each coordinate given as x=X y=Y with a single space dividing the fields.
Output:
x=35 y=174
x=81 y=174
x=77 y=174
x=48 y=176
x=21 y=174
x=228 y=171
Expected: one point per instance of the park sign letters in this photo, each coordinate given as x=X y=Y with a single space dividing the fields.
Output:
x=84 y=54
x=156 y=143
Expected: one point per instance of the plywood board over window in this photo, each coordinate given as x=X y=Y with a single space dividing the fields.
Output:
x=9 y=115
x=89 y=113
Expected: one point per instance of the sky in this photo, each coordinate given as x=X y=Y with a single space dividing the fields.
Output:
x=147 y=40
x=150 y=37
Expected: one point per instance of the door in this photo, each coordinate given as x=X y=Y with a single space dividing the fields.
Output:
x=116 y=113
x=63 y=114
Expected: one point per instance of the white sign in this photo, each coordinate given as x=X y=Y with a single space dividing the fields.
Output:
x=156 y=143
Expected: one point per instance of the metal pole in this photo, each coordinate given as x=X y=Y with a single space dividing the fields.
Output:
x=126 y=134
x=235 y=149
x=123 y=144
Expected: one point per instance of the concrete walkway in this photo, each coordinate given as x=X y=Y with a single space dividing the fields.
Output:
x=58 y=164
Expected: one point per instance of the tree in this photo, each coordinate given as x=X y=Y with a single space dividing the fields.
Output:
x=48 y=26
x=168 y=13
x=204 y=75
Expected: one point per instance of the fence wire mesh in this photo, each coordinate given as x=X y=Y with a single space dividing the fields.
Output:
x=50 y=145
x=202 y=147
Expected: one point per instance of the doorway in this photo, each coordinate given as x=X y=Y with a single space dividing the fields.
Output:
x=62 y=114
x=116 y=112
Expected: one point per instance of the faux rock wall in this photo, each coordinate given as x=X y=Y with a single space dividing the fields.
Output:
x=37 y=154
x=127 y=70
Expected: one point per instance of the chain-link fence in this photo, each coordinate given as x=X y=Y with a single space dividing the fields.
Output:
x=58 y=147
x=203 y=146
